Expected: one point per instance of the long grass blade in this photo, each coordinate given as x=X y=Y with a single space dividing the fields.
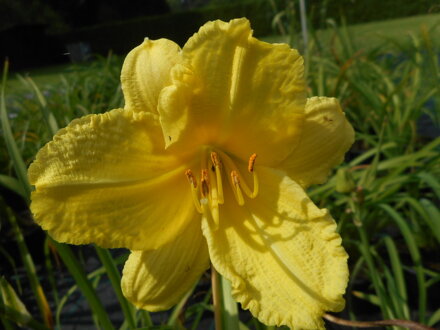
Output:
x=415 y=255
x=14 y=153
x=398 y=277
x=29 y=265
x=48 y=116
x=12 y=184
x=178 y=309
x=115 y=279
x=17 y=317
x=83 y=283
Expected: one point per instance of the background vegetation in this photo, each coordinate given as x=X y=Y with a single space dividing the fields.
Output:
x=385 y=196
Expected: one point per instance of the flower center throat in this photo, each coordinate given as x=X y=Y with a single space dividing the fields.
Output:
x=209 y=194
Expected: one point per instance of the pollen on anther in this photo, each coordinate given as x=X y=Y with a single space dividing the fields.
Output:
x=192 y=180
x=251 y=163
x=215 y=160
x=235 y=177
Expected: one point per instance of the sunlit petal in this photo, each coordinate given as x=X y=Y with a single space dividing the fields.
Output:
x=234 y=91
x=156 y=280
x=326 y=137
x=281 y=253
x=107 y=179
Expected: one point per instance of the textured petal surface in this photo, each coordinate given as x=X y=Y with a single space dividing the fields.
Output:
x=146 y=71
x=107 y=179
x=156 y=280
x=326 y=137
x=281 y=253
x=233 y=91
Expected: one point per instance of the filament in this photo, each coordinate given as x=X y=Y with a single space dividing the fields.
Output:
x=218 y=174
x=194 y=192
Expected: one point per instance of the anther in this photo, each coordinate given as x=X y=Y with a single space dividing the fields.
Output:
x=194 y=193
x=204 y=183
x=251 y=163
x=215 y=160
x=192 y=180
x=235 y=178
x=218 y=175
x=237 y=191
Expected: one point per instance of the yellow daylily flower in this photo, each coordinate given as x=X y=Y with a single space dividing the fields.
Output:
x=208 y=161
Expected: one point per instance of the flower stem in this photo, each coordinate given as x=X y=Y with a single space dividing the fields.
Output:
x=216 y=298
x=225 y=307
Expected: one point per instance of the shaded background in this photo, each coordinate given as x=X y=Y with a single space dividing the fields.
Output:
x=41 y=32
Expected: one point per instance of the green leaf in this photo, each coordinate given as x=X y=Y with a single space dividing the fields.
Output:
x=83 y=283
x=13 y=184
x=115 y=279
x=14 y=153
x=173 y=319
x=415 y=255
x=11 y=300
x=29 y=265
x=11 y=314
x=435 y=318
x=371 y=298
x=48 y=116
x=431 y=181
x=433 y=218
x=398 y=277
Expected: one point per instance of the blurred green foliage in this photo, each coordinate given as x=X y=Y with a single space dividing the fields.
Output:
x=386 y=204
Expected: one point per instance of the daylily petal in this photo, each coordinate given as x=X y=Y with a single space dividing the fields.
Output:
x=156 y=280
x=235 y=92
x=146 y=70
x=107 y=179
x=281 y=253
x=326 y=137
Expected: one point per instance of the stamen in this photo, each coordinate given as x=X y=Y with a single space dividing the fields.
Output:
x=208 y=202
x=213 y=188
x=192 y=180
x=215 y=159
x=252 y=162
x=218 y=167
x=194 y=193
x=251 y=168
x=237 y=191
x=211 y=213
x=204 y=184
x=215 y=216
x=246 y=190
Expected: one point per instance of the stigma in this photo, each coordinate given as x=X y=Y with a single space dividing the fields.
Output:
x=209 y=194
